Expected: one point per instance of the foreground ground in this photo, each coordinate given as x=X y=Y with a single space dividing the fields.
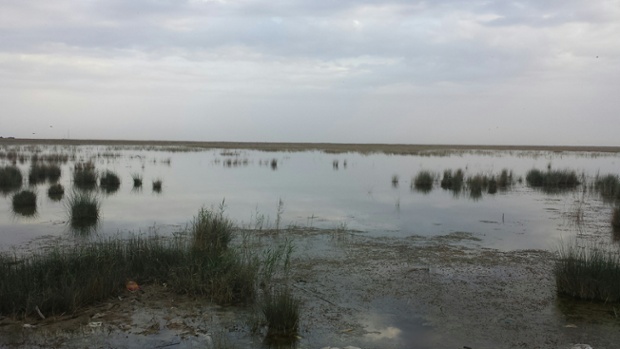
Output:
x=412 y=292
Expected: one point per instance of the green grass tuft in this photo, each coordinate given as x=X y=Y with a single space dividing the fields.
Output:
x=424 y=181
x=56 y=192
x=590 y=272
x=157 y=185
x=137 y=180
x=25 y=203
x=10 y=179
x=552 y=179
x=84 y=176
x=83 y=210
x=109 y=182
x=281 y=310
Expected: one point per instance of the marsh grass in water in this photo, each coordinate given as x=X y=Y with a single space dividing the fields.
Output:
x=552 y=179
x=41 y=172
x=615 y=220
x=157 y=185
x=83 y=210
x=137 y=180
x=25 y=203
x=56 y=192
x=590 y=272
x=66 y=278
x=453 y=181
x=109 y=182
x=423 y=181
x=608 y=187
x=84 y=176
x=10 y=179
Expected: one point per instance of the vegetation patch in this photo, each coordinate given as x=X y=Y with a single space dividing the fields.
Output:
x=552 y=179
x=281 y=310
x=83 y=210
x=10 y=179
x=608 y=187
x=423 y=181
x=25 y=203
x=157 y=185
x=615 y=220
x=56 y=192
x=453 y=181
x=137 y=180
x=589 y=272
x=109 y=182
x=84 y=176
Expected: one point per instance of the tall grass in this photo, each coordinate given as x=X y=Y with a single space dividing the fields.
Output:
x=56 y=192
x=137 y=180
x=423 y=181
x=40 y=172
x=109 y=182
x=588 y=272
x=84 y=175
x=615 y=220
x=25 y=202
x=453 y=181
x=10 y=179
x=552 y=179
x=83 y=210
x=281 y=310
x=157 y=185
x=64 y=279
x=608 y=187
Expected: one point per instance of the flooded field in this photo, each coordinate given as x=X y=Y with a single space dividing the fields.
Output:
x=381 y=258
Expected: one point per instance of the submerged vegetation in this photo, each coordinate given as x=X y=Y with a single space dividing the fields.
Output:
x=590 y=272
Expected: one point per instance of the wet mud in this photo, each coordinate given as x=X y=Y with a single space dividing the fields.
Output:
x=356 y=290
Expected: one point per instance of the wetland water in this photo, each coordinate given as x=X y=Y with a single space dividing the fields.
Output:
x=417 y=269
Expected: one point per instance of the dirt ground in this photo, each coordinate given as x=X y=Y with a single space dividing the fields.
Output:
x=357 y=290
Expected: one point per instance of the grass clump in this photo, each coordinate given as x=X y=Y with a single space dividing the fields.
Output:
x=84 y=175
x=424 y=181
x=25 y=203
x=56 y=192
x=590 y=272
x=66 y=278
x=109 y=182
x=40 y=172
x=608 y=187
x=157 y=185
x=281 y=310
x=452 y=181
x=83 y=210
x=476 y=185
x=615 y=220
x=137 y=180
x=552 y=179
x=10 y=178
x=395 y=180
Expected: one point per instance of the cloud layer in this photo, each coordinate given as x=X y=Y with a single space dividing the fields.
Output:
x=526 y=72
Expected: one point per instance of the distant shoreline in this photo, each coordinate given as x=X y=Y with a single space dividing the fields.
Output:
x=396 y=149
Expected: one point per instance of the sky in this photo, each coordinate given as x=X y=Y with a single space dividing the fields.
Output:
x=530 y=72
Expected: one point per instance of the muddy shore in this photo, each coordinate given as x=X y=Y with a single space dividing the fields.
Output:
x=414 y=292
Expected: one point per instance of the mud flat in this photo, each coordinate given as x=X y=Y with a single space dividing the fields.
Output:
x=413 y=292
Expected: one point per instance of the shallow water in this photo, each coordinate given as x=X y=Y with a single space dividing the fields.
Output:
x=357 y=194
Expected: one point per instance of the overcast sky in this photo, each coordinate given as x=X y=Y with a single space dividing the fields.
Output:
x=365 y=71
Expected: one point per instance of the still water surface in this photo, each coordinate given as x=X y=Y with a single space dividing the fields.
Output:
x=322 y=191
